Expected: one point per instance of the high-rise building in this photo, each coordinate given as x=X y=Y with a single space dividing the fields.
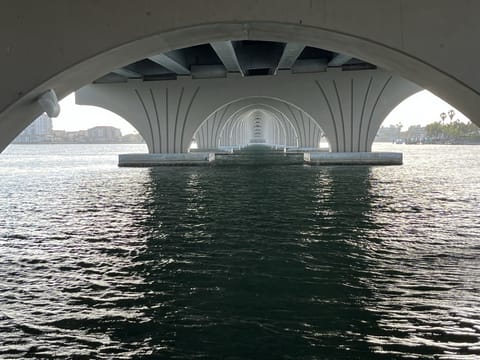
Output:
x=40 y=130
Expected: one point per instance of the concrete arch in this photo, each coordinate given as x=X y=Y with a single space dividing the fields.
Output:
x=285 y=110
x=286 y=124
x=401 y=40
x=241 y=120
x=306 y=130
x=295 y=140
x=252 y=127
x=211 y=136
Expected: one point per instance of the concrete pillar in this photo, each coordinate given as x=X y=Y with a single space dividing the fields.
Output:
x=357 y=104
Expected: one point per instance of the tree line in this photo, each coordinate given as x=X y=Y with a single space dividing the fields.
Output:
x=440 y=132
x=452 y=130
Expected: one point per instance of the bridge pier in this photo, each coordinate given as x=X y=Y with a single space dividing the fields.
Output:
x=347 y=107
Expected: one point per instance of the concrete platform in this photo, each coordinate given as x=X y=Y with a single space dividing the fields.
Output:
x=184 y=159
x=255 y=158
x=353 y=158
x=259 y=158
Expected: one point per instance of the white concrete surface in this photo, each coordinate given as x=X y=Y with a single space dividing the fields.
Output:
x=353 y=158
x=147 y=160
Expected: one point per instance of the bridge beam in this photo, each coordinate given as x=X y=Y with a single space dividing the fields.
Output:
x=127 y=73
x=339 y=60
x=290 y=54
x=173 y=61
x=228 y=56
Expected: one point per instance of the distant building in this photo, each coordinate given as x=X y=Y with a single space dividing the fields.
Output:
x=415 y=134
x=133 y=139
x=77 y=137
x=388 y=134
x=40 y=130
x=104 y=134
x=59 y=136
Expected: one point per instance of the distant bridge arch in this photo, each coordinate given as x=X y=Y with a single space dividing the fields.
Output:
x=298 y=127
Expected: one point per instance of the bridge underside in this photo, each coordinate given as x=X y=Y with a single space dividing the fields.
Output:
x=346 y=108
x=235 y=93
x=141 y=40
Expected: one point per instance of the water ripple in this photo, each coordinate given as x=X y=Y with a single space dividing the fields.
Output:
x=239 y=263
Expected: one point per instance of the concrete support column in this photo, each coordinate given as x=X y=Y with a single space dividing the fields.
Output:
x=357 y=104
x=159 y=113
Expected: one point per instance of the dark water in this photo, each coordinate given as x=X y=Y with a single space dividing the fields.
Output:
x=293 y=262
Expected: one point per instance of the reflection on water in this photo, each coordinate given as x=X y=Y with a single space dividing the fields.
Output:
x=239 y=262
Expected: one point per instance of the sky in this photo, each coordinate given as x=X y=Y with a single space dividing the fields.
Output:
x=420 y=109
x=81 y=117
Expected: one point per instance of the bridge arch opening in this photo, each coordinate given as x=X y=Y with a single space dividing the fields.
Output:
x=254 y=127
x=86 y=124
x=223 y=133
x=411 y=121
x=98 y=120
x=298 y=128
